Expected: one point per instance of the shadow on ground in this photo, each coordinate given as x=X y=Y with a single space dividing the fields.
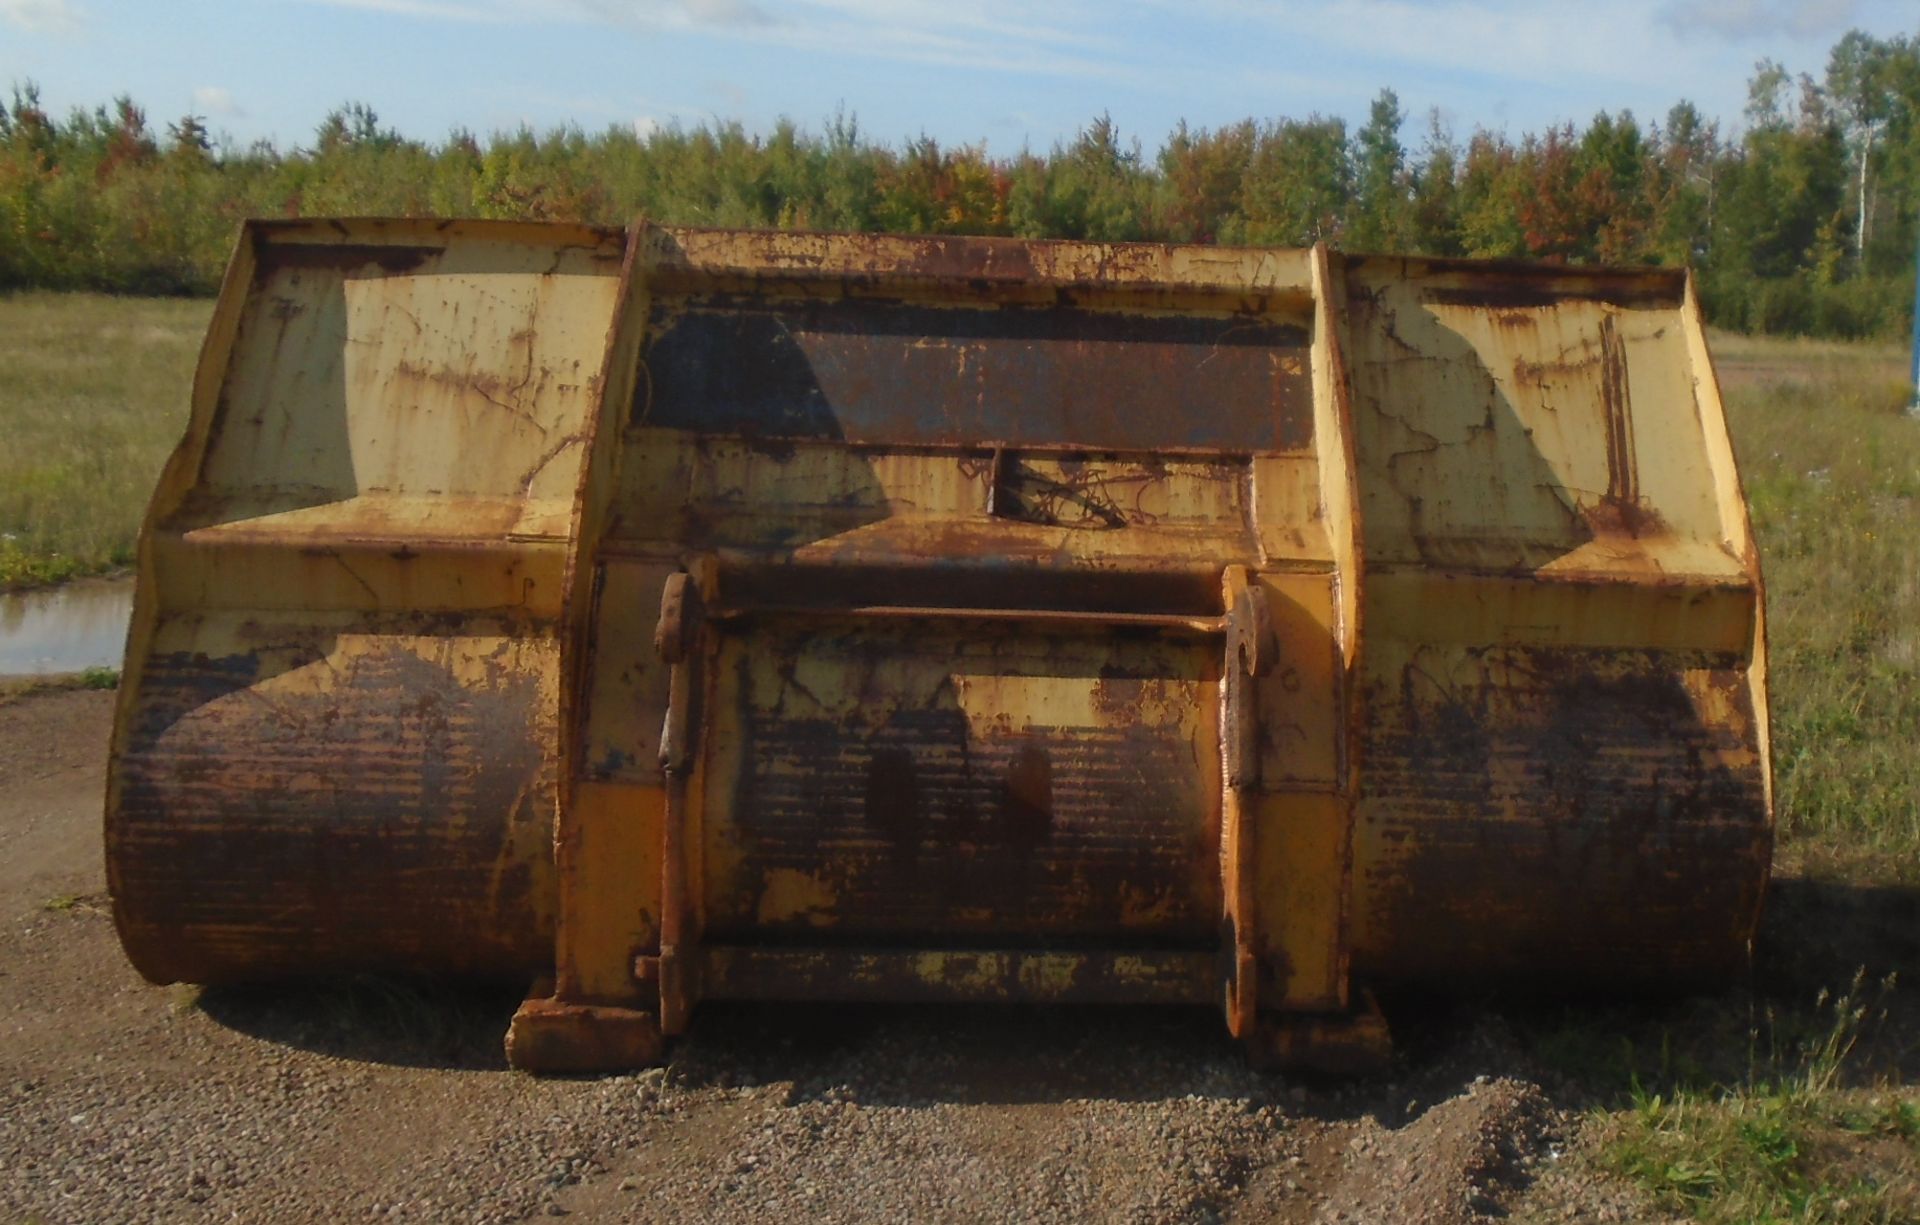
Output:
x=1820 y=941
x=399 y=1022
x=1834 y=963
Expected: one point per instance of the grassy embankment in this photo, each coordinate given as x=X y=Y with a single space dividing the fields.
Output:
x=93 y=394
x=1792 y=1101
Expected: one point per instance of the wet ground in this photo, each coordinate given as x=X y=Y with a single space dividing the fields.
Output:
x=68 y=628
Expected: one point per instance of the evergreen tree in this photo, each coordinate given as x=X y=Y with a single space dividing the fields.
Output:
x=1381 y=191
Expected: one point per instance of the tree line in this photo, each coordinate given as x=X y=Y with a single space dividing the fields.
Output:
x=1801 y=219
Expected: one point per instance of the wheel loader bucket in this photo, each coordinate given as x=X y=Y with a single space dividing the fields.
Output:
x=678 y=614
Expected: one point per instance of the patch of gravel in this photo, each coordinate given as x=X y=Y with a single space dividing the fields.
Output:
x=1452 y=1165
x=237 y=1129
x=910 y=1124
x=357 y=1103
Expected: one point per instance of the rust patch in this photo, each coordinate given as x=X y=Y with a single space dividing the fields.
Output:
x=870 y=373
x=859 y=765
x=964 y=579
x=1026 y=798
x=399 y=820
x=1622 y=511
x=1533 y=289
x=1558 y=815
x=392 y=259
x=551 y=1035
x=1142 y=976
x=891 y=803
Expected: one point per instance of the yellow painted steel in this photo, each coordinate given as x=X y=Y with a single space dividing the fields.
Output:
x=680 y=614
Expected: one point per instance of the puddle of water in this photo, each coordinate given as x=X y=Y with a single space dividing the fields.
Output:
x=65 y=628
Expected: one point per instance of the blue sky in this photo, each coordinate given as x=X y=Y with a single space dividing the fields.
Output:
x=1010 y=72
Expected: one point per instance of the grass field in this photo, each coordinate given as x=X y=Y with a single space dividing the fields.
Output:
x=1792 y=1100
x=1832 y=468
x=93 y=394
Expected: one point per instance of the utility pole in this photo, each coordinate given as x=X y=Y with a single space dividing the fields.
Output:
x=1914 y=408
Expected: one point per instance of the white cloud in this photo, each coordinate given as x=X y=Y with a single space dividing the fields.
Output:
x=644 y=126
x=728 y=12
x=1744 y=19
x=682 y=14
x=724 y=12
x=1330 y=53
x=41 y=16
x=1511 y=40
x=444 y=10
x=216 y=100
x=1000 y=35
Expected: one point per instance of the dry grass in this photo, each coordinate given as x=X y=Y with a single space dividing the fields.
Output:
x=93 y=395
x=1735 y=348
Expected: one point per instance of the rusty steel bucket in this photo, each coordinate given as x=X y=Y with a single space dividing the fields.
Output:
x=673 y=614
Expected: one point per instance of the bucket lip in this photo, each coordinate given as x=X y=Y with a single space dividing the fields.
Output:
x=1673 y=274
x=351 y=230
x=1125 y=255
x=1005 y=270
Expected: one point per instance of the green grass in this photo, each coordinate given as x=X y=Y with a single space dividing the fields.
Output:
x=19 y=689
x=1792 y=1137
x=75 y=903
x=1832 y=470
x=1742 y=1108
x=93 y=395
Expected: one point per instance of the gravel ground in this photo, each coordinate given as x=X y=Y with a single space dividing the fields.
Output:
x=120 y=1101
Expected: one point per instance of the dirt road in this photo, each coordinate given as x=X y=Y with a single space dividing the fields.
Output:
x=121 y=1101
